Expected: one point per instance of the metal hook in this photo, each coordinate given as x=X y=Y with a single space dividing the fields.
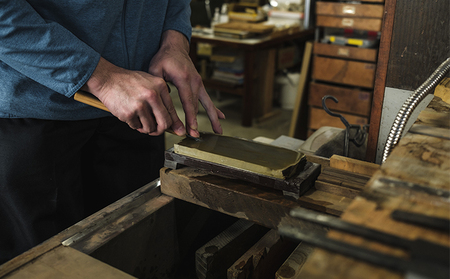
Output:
x=324 y=105
x=360 y=134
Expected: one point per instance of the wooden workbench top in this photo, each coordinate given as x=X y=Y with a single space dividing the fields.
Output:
x=422 y=158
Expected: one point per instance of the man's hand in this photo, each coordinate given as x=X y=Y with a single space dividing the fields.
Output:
x=172 y=63
x=137 y=98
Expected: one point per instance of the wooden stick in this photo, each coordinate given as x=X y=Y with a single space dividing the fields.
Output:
x=89 y=99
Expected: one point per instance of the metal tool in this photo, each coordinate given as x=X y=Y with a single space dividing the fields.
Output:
x=423 y=220
x=360 y=133
x=426 y=258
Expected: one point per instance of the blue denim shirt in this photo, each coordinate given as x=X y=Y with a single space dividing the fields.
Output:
x=49 y=49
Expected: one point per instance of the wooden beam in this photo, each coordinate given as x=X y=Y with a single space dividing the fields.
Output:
x=380 y=79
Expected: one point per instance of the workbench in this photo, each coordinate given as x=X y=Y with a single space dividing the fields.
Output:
x=143 y=234
x=422 y=158
x=253 y=52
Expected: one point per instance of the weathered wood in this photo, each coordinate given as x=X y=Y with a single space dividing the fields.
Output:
x=66 y=262
x=89 y=224
x=344 y=71
x=242 y=199
x=214 y=258
x=293 y=265
x=354 y=101
x=333 y=188
x=369 y=24
x=347 y=52
x=443 y=90
x=420 y=159
x=263 y=259
x=349 y=10
x=319 y=118
x=295 y=186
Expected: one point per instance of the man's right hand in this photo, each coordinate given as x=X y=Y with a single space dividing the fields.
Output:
x=137 y=98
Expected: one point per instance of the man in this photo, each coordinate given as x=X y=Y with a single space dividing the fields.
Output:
x=61 y=160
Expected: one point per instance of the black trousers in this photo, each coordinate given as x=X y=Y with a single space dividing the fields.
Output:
x=55 y=173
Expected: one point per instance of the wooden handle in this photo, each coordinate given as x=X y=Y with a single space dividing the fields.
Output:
x=89 y=99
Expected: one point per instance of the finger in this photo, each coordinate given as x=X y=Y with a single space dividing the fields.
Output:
x=214 y=114
x=177 y=124
x=134 y=123
x=189 y=100
x=161 y=115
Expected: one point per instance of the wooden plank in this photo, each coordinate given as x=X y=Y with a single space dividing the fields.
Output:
x=66 y=262
x=351 y=100
x=110 y=212
x=427 y=164
x=373 y=210
x=319 y=118
x=368 y=24
x=347 y=52
x=214 y=257
x=344 y=71
x=263 y=259
x=353 y=165
x=299 y=112
x=243 y=199
x=380 y=80
x=350 y=193
x=293 y=265
x=443 y=90
x=349 y=10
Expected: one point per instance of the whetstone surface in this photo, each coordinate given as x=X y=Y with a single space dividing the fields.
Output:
x=242 y=154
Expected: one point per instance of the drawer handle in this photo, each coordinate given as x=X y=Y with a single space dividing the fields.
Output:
x=347 y=22
x=349 y=10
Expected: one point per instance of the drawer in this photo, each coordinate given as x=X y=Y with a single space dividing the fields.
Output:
x=365 y=54
x=319 y=118
x=349 y=10
x=343 y=71
x=368 y=24
x=353 y=101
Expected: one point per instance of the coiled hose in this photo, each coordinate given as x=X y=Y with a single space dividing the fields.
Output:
x=410 y=104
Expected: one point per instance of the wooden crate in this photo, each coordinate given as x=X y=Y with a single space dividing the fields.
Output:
x=318 y=118
x=369 y=24
x=351 y=100
x=364 y=54
x=344 y=71
x=349 y=10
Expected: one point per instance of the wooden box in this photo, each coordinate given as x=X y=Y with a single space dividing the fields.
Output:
x=344 y=72
x=349 y=10
x=351 y=100
x=369 y=24
x=318 y=118
x=364 y=54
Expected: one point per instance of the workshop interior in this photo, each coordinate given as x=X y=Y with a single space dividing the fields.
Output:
x=334 y=160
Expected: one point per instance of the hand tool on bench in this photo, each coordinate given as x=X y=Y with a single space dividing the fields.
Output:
x=259 y=163
x=91 y=100
x=426 y=258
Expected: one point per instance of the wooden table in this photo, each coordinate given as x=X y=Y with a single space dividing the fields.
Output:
x=252 y=48
x=422 y=157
